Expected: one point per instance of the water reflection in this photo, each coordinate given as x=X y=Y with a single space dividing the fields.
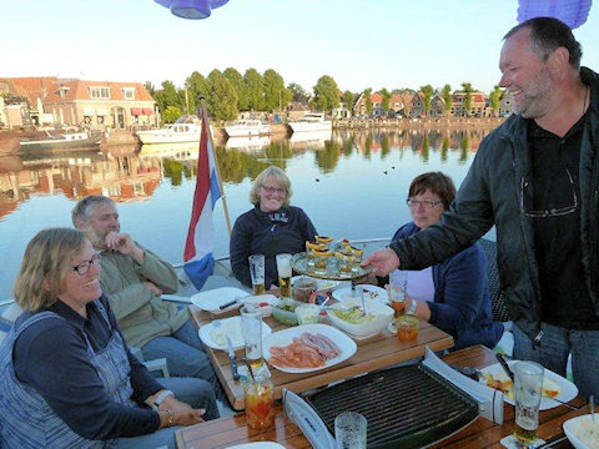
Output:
x=134 y=176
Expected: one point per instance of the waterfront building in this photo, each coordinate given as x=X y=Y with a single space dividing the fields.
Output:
x=74 y=102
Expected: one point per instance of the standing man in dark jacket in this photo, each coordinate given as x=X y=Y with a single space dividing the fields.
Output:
x=536 y=178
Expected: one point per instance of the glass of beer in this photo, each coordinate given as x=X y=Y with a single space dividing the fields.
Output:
x=257 y=273
x=259 y=403
x=251 y=329
x=398 y=284
x=284 y=270
x=528 y=387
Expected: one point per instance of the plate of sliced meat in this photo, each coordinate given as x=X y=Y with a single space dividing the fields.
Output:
x=307 y=348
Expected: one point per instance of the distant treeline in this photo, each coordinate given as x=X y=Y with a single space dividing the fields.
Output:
x=229 y=92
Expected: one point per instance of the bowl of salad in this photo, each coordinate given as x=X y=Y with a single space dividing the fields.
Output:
x=284 y=311
x=348 y=317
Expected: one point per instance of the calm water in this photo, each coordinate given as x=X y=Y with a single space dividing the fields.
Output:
x=352 y=185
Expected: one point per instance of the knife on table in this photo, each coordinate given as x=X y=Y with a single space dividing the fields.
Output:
x=505 y=366
x=232 y=358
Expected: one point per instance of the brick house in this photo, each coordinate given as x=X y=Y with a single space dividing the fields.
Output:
x=478 y=104
x=91 y=104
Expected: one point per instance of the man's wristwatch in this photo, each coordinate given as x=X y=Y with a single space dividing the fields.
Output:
x=161 y=397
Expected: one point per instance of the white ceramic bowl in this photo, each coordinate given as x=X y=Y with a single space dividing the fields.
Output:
x=382 y=317
x=264 y=302
x=575 y=428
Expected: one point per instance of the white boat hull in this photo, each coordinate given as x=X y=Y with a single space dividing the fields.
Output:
x=325 y=125
x=247 y=131
x=149 y=137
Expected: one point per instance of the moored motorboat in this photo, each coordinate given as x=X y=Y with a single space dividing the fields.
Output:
x=61 y=141
x=247 y=127
x=185 y=129
x=312 y=121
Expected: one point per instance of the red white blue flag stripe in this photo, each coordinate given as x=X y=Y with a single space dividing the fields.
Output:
x=199 y=262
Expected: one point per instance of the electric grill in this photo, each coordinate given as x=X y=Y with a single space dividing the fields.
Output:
x=408 y=407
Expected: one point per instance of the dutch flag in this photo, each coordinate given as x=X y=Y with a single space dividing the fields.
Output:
x=199 y=262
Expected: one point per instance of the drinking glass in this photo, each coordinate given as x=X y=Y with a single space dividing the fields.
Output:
x=528 y=387
x=251 y=329
x=408 y=327
x=259 y=402
x=284 y=270
x=350 y=431
x=398 y=284
x=257 y=273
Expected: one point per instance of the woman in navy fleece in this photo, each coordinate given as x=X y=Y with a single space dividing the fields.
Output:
x=453 y=294
x=271 y=227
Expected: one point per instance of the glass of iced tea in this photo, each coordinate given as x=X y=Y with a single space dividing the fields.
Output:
x=259 y=403
x=407 y=328
x=398 y=284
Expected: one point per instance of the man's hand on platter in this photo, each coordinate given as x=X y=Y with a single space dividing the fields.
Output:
x=383 y=261
x=124 y=244
x=153 y=288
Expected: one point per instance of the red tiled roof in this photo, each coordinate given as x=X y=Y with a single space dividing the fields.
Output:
x=47 y=89
x=376 y=98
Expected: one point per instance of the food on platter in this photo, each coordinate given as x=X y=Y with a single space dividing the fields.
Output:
x=325 y=253
x=307 y=351
x=264 y=303
x=287 y=306
x=550 y=388
x=324 y=239
x=353 y=316
x=315 y=246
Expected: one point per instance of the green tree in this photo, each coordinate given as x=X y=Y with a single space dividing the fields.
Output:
x=222 y=98
x=254 y=85
x=386 y=97
x=298 y=93
x=495 y=99
x=368 y=101
x=167 y=96
x=236 y=81
x=171 y=114
x=427 y=92
x=197 y=87
x=326 y=94
x=276 y=96
x=446 y=94
x=150 y=88
x=348 y=100
x=328 y=157
x=467 y=87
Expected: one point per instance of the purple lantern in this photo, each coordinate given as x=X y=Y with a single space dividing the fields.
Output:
x=191 y=9
x=572 y=12
x=217 y=3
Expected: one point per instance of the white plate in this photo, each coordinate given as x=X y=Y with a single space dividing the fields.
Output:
x=568 y=390
x=380 y=294
x=211 y=300
x=215 y=337
x=573 y=428
x=259 y=445
x=283 y=338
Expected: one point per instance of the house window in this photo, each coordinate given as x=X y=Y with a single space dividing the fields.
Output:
x=129 y=93
x=99 y=92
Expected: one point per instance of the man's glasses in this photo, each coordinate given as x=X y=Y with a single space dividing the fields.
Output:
x=553 y=212
x=427 y=204
x=279 y=190
x=83 y=267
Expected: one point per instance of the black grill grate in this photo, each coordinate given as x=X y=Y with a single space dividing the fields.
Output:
x=407 y=407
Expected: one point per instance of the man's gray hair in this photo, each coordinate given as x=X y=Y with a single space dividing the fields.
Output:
x=86 y=207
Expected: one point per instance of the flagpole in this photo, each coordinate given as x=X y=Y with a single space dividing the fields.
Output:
x=220 y=179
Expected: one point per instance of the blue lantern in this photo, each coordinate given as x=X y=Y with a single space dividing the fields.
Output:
x=572 y=12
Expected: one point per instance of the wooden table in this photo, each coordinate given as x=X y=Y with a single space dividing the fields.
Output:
x=377 y=352
x=481 y=434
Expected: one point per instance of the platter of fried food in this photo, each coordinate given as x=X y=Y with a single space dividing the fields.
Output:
x=554 y=385
x=307 y=348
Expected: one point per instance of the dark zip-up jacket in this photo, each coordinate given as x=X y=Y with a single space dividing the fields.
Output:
x=491 y=194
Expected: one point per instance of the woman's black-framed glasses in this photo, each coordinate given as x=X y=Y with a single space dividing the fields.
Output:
x=83 y=267
x=553 y=212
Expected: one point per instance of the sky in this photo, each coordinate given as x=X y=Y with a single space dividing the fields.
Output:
x=360 y=43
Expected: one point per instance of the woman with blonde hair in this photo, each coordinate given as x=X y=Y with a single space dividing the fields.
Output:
x=67 y=378
x=271 y=227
